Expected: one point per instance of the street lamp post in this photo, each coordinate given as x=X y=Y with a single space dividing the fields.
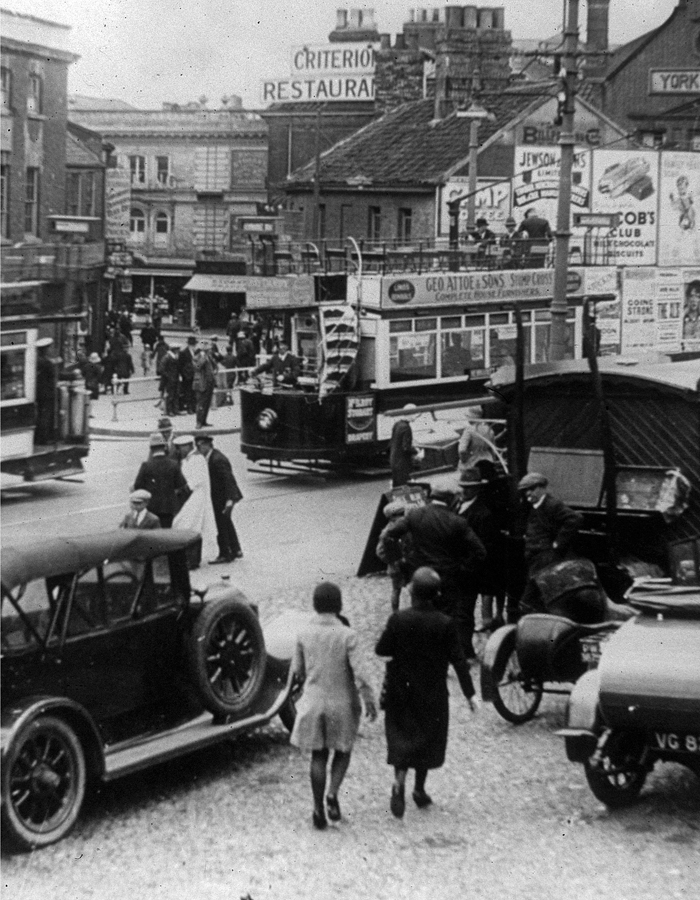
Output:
x=476 y=114
x=567 y=142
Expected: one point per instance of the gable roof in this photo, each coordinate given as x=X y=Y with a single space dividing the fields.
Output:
x=80 y=155
x=408 y=147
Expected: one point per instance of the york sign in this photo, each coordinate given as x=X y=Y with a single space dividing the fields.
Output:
x=674 y=81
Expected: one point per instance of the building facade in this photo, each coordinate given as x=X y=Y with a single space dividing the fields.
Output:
x=52 y=192
x=183 y=182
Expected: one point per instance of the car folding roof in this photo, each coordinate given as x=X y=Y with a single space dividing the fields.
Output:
x=57 y=556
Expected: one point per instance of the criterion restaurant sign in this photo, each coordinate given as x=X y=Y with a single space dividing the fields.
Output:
x=448 y=289
x=325 y=72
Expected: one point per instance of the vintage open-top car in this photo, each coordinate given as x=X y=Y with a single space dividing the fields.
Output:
x=111 y=662
x=642 y=703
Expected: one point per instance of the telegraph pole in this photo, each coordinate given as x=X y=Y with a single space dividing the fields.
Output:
x=566 y=142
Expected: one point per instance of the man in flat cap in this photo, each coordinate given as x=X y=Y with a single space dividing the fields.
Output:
x=443 y=541
x=46 y=393
x=549 y=533
x=162 y=478
x=138 y=515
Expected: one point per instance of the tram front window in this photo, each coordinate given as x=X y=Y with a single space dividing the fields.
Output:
x=462 y=351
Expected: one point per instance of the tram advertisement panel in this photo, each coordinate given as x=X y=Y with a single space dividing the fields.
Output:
x=360 y=420
x=679 y=217
x=444 y=289
x=626 y=182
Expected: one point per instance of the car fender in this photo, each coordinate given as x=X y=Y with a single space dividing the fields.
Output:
x=491 y=654
x=16 y=716
x=582 y=709
x=281 y=633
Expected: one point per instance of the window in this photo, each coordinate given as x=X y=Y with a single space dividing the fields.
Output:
x=162 y=169
x=162 y=228
x=137 y=224
x=6 y=88
x=4 y=198
x=374 y=223
x=462 y=352
x=405 y=228
x=137 y=167
x=344 y=220
x=34 y=94
x=412 y=356
x=80 y=192
x=31 y=201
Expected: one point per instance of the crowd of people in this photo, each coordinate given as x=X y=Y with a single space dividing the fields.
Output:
x=448 y=553
x=518 y=244
x=187 y=483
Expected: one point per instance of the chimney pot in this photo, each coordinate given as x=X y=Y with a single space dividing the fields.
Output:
x=355 y=19
x=400 y=42
x=341 y=18
x=597 y=24
x=384 y=41
x=470 y=16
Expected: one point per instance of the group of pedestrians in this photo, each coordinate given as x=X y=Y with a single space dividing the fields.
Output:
x=450 y=566
x=420 y=644
x=187 y=483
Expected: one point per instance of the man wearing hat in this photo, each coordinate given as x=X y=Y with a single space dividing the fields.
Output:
x=162 y=478
x=186 y=369
x=442 y=540
x=92 y=372
x=392 y=551
x=402 y=453
x=169 y=380
x=165 y=426
x=472 y=506
x=46 y=394
x=225 y=493
x=139 y=516
x=550 y=530
x=203 y=383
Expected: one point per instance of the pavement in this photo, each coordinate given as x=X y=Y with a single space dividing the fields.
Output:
x=136 y=414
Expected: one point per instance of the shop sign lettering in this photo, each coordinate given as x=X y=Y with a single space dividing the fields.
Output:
x=674 y=81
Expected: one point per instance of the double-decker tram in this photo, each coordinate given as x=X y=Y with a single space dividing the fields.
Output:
x=369 y=344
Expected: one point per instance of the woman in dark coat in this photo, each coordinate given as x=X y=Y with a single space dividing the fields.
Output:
x=421 y=642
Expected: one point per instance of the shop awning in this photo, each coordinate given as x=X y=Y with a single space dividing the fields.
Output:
x=159 y=273
x=217 y=284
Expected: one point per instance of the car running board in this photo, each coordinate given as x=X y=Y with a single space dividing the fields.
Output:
x=127 y=757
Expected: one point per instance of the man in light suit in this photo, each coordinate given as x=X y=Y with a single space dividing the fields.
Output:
x=138 y=515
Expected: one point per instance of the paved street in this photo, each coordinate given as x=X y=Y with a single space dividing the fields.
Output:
x=512 y=817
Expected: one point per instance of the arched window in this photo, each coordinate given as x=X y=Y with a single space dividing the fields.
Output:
x=137 y=224
x=162 y=228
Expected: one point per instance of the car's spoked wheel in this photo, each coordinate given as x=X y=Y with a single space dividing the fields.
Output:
x=227 y=657
x=516 y=698
x=43 y=784
x=615 y=772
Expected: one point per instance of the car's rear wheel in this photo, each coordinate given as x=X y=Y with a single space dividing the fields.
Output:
x=615 y=772
x=226 y=653
x=43 y=784
x=516 y=698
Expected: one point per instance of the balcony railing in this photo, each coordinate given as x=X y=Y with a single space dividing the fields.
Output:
x=271 y=257
x=51 y=262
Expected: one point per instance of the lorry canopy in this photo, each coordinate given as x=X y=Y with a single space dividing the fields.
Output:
x=58 y=556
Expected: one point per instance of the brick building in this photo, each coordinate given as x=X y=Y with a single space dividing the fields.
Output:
x=52 y=192
x=651 y=84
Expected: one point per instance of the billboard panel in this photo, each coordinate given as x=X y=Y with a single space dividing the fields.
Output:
x=679 y=216
x=536 y=181
x=626 y=182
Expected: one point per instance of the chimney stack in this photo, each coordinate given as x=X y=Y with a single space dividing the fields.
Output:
x=597 y=25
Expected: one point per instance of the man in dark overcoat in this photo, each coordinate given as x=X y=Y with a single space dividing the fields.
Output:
x=203 y=384
x=422 y=643
x=185 y=364
x=225 y=493
x=443 y=541
x=401 y=450
x=164 y=481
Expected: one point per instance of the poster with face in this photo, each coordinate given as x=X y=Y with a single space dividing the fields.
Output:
x=536 y=182
x=690 y=331
x=679 y=209
x=626 y=182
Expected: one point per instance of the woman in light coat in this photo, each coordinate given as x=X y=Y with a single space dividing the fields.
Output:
x=197 y=514
x=328 y=661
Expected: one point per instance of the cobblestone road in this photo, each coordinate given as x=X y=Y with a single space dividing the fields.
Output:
x=512 y=819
